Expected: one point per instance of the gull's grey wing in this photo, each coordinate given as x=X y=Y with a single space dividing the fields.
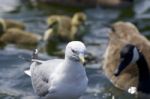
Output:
x=40 y=85
x=40 y=75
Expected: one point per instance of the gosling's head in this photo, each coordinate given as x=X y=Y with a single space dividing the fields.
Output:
x=129 y=54
x=2 y=26
x=49 y=33
x=79 y=18
x=75 y=51
x=51 y=21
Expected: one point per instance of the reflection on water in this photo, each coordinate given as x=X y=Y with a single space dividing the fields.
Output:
x=8 y=5
x=141 y=6
x=14 y=84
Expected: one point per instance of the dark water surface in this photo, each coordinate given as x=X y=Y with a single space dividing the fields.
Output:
x=14 y=84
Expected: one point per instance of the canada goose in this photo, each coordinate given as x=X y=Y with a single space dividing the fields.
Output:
x=20 y=37
x=126 y=33
x=130 y=55
x=67 y=28
x=8 y=23
x=60 y=78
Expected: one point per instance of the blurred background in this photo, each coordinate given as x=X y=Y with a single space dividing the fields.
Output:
x=14 y=84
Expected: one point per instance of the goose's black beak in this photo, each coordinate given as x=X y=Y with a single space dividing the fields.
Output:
x=120 y=68
x=117 y=72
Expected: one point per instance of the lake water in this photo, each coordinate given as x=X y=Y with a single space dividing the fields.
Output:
x=14 y=84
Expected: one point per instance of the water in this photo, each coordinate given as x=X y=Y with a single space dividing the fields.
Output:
x=14 y=84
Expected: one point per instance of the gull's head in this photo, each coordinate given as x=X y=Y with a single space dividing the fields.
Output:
x=75 y=50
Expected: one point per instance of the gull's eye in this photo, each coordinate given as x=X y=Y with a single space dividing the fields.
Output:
x=74 y=51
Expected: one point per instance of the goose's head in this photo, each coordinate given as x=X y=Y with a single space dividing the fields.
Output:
x=124 y=30
x=79 y=19
x=128 y=55
x=75 y=50
x=2 y=26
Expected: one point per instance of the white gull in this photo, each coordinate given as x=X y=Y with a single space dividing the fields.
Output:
x=60 y=78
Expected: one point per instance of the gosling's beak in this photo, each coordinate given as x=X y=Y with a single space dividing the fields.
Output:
x=50 y=26
x=82 y=59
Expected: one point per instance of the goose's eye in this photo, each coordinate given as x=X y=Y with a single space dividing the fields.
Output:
x=74 y=51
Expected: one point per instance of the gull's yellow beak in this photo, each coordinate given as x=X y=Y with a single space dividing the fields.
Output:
x=82 y=59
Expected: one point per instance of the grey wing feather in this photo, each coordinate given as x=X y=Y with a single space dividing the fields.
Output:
x=38 y=61
x=41 y=75
x=40 y=85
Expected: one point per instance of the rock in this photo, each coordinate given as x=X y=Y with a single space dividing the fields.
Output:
x=87 y=3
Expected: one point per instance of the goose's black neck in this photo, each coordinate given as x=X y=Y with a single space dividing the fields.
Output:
x=144 y=75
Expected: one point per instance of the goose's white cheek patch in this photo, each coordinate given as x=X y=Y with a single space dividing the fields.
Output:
x=135 y=56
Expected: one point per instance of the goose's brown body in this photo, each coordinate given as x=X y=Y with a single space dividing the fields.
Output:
x=124 y=33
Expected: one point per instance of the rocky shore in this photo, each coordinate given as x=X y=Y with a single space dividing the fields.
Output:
x=88 y=3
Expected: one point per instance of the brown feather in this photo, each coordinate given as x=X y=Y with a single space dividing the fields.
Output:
x=123 y=33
